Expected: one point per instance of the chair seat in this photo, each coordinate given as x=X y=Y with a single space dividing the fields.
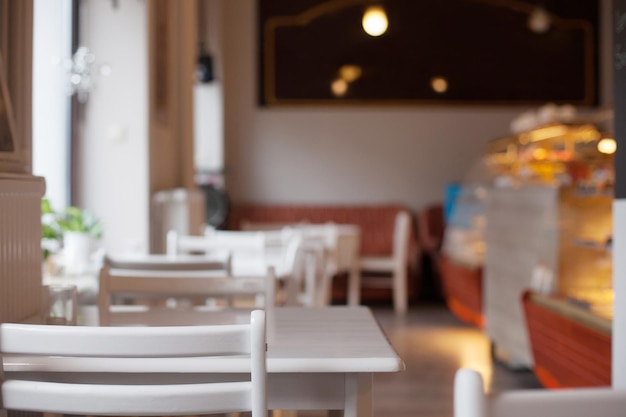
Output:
x=394 y=264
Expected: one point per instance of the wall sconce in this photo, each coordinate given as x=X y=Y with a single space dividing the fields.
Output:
x=375 y=21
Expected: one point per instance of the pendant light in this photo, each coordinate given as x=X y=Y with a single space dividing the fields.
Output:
x=375 y=21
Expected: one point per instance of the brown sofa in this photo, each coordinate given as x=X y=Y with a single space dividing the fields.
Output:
x=375 y=221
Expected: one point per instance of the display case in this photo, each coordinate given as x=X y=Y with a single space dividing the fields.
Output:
x=548 y=228
x=463 y=249
x=572 y=346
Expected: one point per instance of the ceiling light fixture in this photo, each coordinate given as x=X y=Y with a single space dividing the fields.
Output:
x=375 y=21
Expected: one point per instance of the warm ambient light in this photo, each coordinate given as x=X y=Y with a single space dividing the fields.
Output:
x=347 y=74
x=607 y=146
x=350 y=73
x=439 y=84
x=540 y=154
x=539 y=20
x=547 y=132
x=339 y=87
x=375 y=21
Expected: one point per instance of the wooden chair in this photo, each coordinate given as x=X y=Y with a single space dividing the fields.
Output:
x=470 y=400
x=395 y=264
x=152 y=287
x=153 y=345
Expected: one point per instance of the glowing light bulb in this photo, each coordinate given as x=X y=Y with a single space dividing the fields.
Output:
x=607 y=146
x=350 y=73
x=439 y=84
x=339 y=87
x=375 y=21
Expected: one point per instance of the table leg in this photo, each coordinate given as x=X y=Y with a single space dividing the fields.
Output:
x=352 y=247
x=358 y=395
x=354 y=287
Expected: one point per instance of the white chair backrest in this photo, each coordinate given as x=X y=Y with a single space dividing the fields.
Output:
x=162 y=285
x=248 y=243
x=162 y=345
x=249 y=225
x=401 y=235
x=470 y=400
x=169 y=263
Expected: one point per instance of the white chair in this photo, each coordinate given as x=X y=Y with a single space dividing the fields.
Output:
x=314 y=261
x=169 y=263
x=321 y=246
x=215 y=241
x=250 y=251
x=156 y=345
x=395 y=264
x=470 y=400
x=152 y=289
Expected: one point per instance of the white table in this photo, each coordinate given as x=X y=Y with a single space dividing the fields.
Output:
x=342 y=244
x=336 y=248
x=87 y=283
x=318 y=359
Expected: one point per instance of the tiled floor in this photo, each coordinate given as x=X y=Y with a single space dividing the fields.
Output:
x=433 y=345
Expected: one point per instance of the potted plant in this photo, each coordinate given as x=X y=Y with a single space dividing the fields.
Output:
x=51 y=234
x=76 y=220
x=76 y=229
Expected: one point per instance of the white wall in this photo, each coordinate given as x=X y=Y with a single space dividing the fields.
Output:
x=340 y=155
x=114 y=154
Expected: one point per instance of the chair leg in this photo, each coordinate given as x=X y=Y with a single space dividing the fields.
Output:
x=400 y=298
x=354 y=287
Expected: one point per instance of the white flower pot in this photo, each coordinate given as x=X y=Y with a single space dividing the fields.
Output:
x=77 y=248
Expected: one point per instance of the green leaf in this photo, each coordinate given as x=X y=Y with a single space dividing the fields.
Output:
x=45 y=206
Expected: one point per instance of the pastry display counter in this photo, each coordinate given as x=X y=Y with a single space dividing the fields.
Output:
x=535 y=213
x=549 y=226
x=463 y=249
x=571 y=343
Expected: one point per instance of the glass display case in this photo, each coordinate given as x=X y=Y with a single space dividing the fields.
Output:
x=577 y=161
x=549 y=227
x=534 y=213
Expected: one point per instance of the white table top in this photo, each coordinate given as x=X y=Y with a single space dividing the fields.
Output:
x=306 y=340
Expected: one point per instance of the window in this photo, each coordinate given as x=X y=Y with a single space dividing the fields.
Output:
x=52 y=45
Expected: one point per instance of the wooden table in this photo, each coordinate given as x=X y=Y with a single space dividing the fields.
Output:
x=317 y=359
